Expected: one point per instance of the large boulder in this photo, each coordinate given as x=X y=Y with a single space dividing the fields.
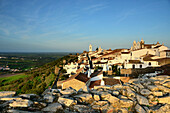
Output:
x=142 y=100
x=66 y=101
x=21 y=103
x=7 y=93
x=139 y=109
x=84 y=98
x=55 y=107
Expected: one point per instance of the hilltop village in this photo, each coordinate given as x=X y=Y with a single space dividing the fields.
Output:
x=132 y=80
x=109 y=67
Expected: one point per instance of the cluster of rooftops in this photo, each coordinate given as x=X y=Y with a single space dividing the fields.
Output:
x=139 y=56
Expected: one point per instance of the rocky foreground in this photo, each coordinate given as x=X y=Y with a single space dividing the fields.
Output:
x=138 y=95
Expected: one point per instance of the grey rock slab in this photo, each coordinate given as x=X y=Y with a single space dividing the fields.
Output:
x=142 y=100
x=139 y=109
x=55 y=107
x=49 y=98
x=145 y=92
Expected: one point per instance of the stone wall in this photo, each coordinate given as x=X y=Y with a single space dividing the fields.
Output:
x=149 y=95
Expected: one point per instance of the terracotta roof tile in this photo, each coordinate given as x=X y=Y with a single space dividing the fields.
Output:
x=111 y=81
x=94 y=83
x=79 y=76
x=96 y=73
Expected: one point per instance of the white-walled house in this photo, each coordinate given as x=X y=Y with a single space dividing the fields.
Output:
x=71 y=67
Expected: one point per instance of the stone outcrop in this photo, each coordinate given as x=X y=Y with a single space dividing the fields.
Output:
x=138 y=95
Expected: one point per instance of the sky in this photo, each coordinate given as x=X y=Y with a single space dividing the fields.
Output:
x=71 y=25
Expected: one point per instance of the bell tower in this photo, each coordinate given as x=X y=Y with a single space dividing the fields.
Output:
x=90 y=48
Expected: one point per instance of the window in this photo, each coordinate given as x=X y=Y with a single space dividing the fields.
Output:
x=140 y=66
x=133 y=66
x=149 y=64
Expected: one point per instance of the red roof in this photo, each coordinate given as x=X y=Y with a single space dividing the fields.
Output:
x=111 y=81
x=135 y=61
x=114 y=51
x=96 y=73
x=94 y=83
x=79 y=76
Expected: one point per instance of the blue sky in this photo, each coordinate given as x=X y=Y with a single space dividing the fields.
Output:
x=71 y=25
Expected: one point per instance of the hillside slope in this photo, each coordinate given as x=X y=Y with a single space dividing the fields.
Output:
x=37 y=80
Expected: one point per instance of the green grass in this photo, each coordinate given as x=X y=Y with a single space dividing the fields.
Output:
x=12 y=78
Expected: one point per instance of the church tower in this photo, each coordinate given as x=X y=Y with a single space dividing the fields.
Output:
x=142 y=43
x=90 y=48
x=100 y=49
x=134 y=45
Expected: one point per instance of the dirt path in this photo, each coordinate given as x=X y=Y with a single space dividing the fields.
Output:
x=8 y=75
